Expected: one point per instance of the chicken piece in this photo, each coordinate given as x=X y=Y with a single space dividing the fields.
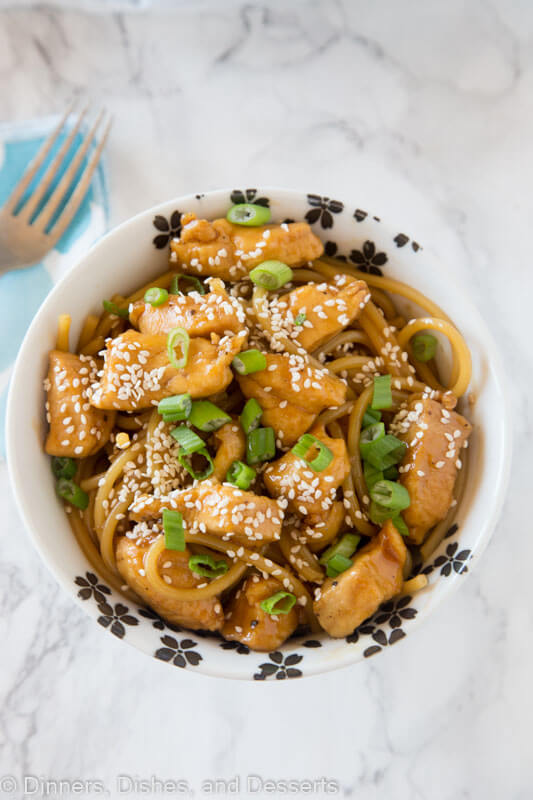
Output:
x=200 y=315
x=309 y=492
x=321 y=529
x=246 y=622
x=229 y=251
x=204 y=614
x=326 y=308
x=434 y=438
x=219 y=509
x=292 y=394
x=76 y=428
x=375 y=576
x=138 y=374
x=230 y=446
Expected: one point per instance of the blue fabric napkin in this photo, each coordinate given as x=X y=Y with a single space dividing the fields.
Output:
x=22 y=291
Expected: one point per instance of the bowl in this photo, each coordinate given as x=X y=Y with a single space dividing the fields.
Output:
x=129 y=256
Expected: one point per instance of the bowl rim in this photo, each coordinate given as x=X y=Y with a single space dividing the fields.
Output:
x=348 y=656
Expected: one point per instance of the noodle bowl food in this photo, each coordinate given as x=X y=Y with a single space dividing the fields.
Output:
x=259 y=440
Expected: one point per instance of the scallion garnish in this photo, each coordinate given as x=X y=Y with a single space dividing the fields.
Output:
x=391 y=495
x=337 y=564
x=240 y=475
x=379 y=514
x=279 y=603
x=370 y=417
x=249 y=361
x=271 y=274
x=186 y=461
x=251 y=415
x=175 y=408
x=112 y=308
x=260 y=445
x=305 y=443
x=206 y=416
x=249 y=214
x=156 y=296
x=204 y=564
x=72 y=493
x=382 y=396
x=346 y=546
x=369 y=435
x=188 y=440
x=372 y=475
x=197 y=285
x=385 y=451
x=399 y=524
x=391 y=473
x=63 y=467
x=424 y=346
x=174 y=530
x=178 y=336
x=299 y=318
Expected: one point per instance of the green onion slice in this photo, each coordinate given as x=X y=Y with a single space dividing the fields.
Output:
x=178 y=336
x=271 y=274
x=379 y=514
x=300 y=318
x=391 y=473
x=251 y=415
x=196 y=284
x=72 y=493
x=382 y=396
x=320 y=462
x=207 y=416
x=204 y=564
x=174 y=530
x=112 y=308
x=346 y=546
x=249 y=361
x=338 y=564
x=63 y=467
x=372 y=475
x=175 y=408
x=424 y=346
x=399 y=524
x=390 y=495
x=249 y=214
x=240 y=475
x=373 y=433
x=385 y=452
x=186 y=461
x=156 y=296
x=370 y=417
x=188 y=440
x=260 y=445
x=279 y=603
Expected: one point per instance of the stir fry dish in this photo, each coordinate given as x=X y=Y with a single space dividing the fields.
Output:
x=257 y=442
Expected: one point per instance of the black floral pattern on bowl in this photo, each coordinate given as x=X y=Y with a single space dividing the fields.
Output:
x=322 y=210
x=239 y=196
x=179 y=653
x=239 y=647
x=368 y=259
x=117 y=617
x=169 y=228
x=91 y=587
x=280 y=666
x=392 y=613
x=157 y=622
x=449 y=561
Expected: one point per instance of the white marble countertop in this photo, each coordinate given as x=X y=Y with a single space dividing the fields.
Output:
x=423 y=113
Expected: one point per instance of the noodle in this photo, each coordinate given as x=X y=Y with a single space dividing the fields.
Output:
x=63 y=331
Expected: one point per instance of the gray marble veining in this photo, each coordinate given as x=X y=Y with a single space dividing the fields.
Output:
x=421 y=113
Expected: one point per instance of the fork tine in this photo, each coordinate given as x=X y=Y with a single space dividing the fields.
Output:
x=48 y=177
x=22 y=185
x=79 y=192
x=48 y=211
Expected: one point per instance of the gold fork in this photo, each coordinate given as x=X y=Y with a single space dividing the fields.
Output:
x=25 y=239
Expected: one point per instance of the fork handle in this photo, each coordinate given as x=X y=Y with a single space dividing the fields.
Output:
x=8 y=261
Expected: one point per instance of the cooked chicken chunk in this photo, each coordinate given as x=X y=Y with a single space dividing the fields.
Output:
x=325 y=310
x=230 y=447
x=321 y=529
x=76 y=428
x=434 y=437
x=137 y=371
x=246 y=621
x=242 y=517
x=230 y=251
x=291 y=394
x=200 y=315
x=375 y=576
x=307 y=491
x=197 y=614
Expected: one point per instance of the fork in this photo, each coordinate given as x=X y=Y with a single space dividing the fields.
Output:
x=24 y=234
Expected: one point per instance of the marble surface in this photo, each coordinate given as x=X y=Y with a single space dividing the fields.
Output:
x=421 y=113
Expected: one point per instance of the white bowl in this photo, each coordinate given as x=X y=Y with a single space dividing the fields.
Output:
x=126 y=258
